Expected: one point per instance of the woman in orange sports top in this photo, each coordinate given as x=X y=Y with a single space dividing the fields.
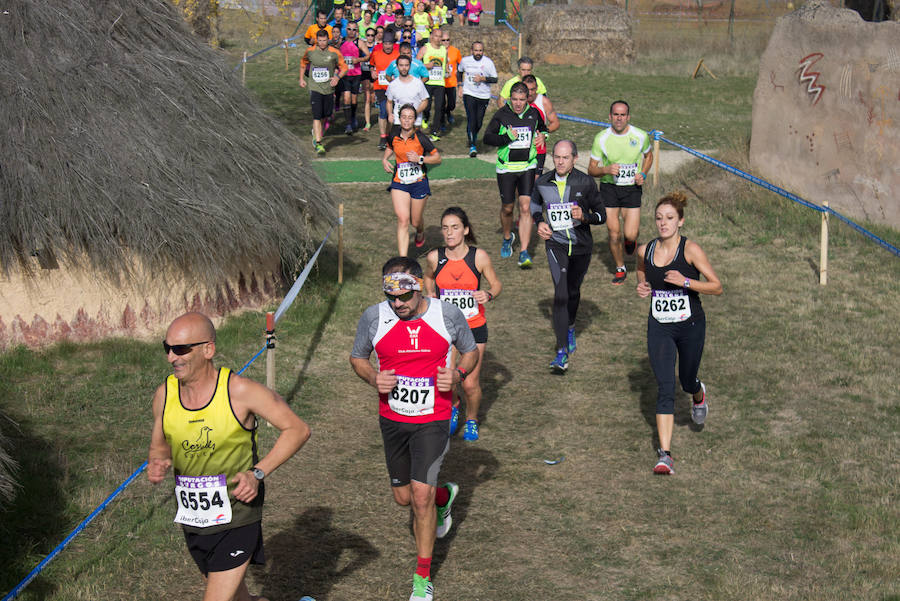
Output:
x=453 y=273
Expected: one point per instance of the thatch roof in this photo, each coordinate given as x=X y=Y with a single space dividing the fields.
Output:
x=126 y=136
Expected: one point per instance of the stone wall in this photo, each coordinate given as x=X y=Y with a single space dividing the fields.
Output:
x=826 y=111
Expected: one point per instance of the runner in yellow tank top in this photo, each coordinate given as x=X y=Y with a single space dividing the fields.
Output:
x=204 y=424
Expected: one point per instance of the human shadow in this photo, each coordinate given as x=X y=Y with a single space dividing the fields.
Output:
x=588 y=310
x=469 y=466
x=643 y=383
x=33 y=521
x=494 y=376
x=312 y=556
x=433 y=239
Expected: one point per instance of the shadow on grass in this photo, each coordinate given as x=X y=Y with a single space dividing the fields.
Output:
x=469 y=466
x=328 y=273
x=494 y=376
x=588 y=310
x=33 y=524
x=313 y=555
x=643 y=382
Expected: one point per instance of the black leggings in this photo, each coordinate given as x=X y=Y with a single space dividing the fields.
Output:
x=436 y=104
x=568 y=273
x=475 y=108
x=664 y=342
x=449 y=104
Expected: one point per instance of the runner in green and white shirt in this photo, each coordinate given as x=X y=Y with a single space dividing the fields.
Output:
x=621 y=157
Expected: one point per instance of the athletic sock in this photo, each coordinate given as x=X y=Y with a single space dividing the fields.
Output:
x=441 y=496
x=629 y=246
x=423 y=567
x=353 y=110
x=347 y=114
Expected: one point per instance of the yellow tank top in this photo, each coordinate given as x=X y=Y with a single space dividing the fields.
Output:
x=421 y=23
x=211 y=441
x=436 y=75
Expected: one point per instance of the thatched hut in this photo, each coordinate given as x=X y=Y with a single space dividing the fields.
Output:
x=138 y=177
x=578 y=35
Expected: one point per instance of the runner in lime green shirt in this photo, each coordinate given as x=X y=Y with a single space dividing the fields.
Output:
x=621 y=157
x=525 y=66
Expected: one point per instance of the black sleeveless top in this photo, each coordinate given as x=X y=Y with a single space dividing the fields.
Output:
x=656 y=276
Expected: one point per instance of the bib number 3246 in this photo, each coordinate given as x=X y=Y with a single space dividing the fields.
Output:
x=202 y=500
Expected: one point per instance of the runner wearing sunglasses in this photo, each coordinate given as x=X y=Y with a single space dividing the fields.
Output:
x=412 y=336
x=204 y=426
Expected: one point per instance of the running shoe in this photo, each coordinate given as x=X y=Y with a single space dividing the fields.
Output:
x=473 y=152
x=382 y=144
x=434 y=137
x=561 y=363
x=506 y=248
x=348 y=130
x=699 y=410
x=454 y=421
x=424 y=125
x=354 y=124
x=423 y=590
x=524 y=259
x=420 y=239
x=320 y=150
x=630 y=246
x=450 y=119
x=444 y=520
x=571 y=342
x=619 y=278
x=443 y=129
x=665 y=465
x=471 y=431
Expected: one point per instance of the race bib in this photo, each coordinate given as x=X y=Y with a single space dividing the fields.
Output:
x=320 y=74
x=202 y=500
x=559 y=214
x=435 y=73
x=382 y=78
x=470 y=77
x=462 y=299
x=670 y=306
x=626 y=174
x=349 y=61
x=523 y=137
x=473 y=17
x=412 y=396
x=409 y=173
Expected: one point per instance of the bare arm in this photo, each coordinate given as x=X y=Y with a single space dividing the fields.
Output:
x=643 y=287
x=159 y=458
x=552 y=117
x=430 y=266
x=382 y=381
x=484 y=265
x=696 y=257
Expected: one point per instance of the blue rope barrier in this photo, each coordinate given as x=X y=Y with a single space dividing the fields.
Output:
x=272 y=47
x=37 y=570
x=285 y=305
x=505 y=22
x=658 y=135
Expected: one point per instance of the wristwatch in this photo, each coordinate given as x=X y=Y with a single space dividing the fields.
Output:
x=422 y=159
x=258 y=473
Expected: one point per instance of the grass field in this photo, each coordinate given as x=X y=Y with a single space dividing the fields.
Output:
x=789 y=492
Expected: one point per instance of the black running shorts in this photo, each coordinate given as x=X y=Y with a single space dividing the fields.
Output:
x=228 y=549
x=625 y=197
x=322 y=105
x=414 y=451
x=510 y=182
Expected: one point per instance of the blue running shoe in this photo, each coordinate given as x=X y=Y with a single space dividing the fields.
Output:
x=524 y=259
x=571 y=344
x=506 y=248
x=454 y=421
x=561 y=363
x=471 y=431
x=473 y=151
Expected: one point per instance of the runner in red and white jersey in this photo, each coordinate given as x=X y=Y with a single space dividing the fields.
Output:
x=412 y=336
x=545 y=108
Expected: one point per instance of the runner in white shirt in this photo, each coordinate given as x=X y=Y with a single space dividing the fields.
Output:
x=406 y=89
x=478 y=73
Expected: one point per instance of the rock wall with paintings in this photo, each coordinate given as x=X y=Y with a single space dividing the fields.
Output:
x=826 y=112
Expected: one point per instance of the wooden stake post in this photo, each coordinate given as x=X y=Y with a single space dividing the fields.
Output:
x=244 y=69
x=705 y=68
x=341 y=243
x=270 y=352
x=287 y=60
x=823 y=250
x=656 y=135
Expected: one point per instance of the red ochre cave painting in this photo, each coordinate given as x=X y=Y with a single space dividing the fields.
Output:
x=811 y=78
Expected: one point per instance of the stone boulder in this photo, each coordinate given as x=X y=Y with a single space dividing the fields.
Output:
x=826 y=111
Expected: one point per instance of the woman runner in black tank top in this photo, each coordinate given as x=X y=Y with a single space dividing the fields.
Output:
x=668 y=271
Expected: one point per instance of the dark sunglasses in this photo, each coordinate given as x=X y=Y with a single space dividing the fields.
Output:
x=181 y=349
x=406 y=296
x=407 y=37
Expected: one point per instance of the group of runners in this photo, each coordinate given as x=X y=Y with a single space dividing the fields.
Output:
x=354 y=57
x=429 y=332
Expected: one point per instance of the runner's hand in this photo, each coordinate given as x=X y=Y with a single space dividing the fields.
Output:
x=247 y=486
x=157 y=468
x=445 y=378
x=673 y=276
x=644 y=289
x=302 y=83
x=544 y=230
x=577 y=213
x=539 y=139
x=387 y=165
x=613 y=169
x=639 y=178
x=412 y=157
x=385 y=381
x=480 y=296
